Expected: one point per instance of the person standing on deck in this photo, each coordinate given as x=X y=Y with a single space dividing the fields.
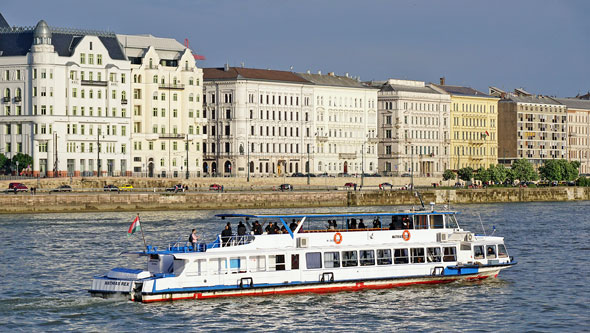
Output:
x=193 y=238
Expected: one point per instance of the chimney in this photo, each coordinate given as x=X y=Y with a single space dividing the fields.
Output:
x=346 y=74
x=319 y=72
x=442 y=81
x=308 y=71
x=226 y=67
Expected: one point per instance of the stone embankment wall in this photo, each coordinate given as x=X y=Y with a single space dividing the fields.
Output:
x=92 y=202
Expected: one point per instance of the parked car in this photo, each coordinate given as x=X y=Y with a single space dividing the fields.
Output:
x=349 y=185
x=298 y=174
x=110 y=188
x=406 y=175
x=285 y=187
x=17 y=187
x=126 y=187
x=383 y=186
x=176 y=188
x=215 y=187
x=62 y=188
x=555 y=183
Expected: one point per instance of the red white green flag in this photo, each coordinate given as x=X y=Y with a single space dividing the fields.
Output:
x=134 y=226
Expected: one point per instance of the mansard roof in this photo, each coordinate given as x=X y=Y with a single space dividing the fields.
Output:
x=575 y=103
x=18 y=41
x=333 y=80
x=236 y=73
x=3 y=23
x=462 y=91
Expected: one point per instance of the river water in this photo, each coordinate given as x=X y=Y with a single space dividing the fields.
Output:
x=47 y=262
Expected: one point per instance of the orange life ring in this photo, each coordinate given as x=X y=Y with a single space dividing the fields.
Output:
x=337 y=238
x=406 y=235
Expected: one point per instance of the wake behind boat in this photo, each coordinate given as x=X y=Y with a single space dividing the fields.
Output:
x=312 y=253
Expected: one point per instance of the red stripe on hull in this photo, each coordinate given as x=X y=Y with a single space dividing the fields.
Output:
x=321 y=290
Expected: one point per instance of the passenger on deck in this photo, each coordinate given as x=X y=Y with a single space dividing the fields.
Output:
x=193 y=238
x=277 y=230
x=377 y=223
x=229 y=227
x=293 y=225
x=269 y=228
x=257 y=228
x=226 y=235
x=284 y=230
x=241 y=229
x=362 y=225
x=353 y=224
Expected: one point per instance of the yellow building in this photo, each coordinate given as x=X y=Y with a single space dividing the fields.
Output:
x=474 y=127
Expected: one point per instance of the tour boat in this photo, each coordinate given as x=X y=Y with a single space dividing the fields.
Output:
x=313 y=253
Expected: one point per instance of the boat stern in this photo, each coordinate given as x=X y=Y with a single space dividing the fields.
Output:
x=119 y=281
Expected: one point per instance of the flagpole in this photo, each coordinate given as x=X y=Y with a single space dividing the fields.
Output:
x=142 y=235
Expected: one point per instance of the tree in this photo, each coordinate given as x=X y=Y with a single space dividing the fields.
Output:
x=498 y=173
x=23 y=161
x=483 y=175
x=465 y=174
x=3 y=161
x=448 y=174
x=523 y=170
x=559 y=170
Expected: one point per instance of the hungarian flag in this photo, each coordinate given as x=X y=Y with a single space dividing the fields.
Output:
x=134 y=226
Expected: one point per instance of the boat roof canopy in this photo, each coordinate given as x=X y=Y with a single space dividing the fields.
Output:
x=261 y=216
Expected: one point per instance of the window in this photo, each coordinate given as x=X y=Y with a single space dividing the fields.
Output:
x=331 y=259
x=99 y=60
x=384 y=257
x=417 y=255
x=367 y=257
x=502 y=253
x=401 y=256
x=313 y=260
x=436 y=222
x=349 y=259
x=491 y=251
x=421 y=221
x=82 y=58
x=433 y=254
x=450 y=254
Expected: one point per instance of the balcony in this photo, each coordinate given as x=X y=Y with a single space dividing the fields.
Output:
x=321 y=138
x=347 y=156
x=18 y=99
x=174 y=86
x=5 y=99
x=171 y=136
x=124 y=101
x=94 y=83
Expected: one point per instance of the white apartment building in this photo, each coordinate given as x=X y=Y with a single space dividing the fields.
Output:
x=413 y=128
x=259 y=122
x=167 y=107
x=344 y=125
x=64 y=100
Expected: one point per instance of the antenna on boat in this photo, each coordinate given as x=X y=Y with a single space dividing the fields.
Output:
x=493 y=228
x=419 y=197
x=481 y=222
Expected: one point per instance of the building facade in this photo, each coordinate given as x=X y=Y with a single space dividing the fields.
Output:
x=413 y=128
x=258 y=122
x=167 y=109
x=473 y=127
x=578 y=131
x=65 y=100
x=531 y=127
x=344 y=125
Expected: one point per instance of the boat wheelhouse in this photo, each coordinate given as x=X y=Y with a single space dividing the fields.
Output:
x=312 y=253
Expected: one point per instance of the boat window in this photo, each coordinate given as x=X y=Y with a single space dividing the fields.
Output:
x=421 y=221
x=401 y=222
x=237 y=264
x=257 y=264
x=331 y=259
x=367 y=257
x=417 y=255
x=217 y=266
x=450 y=253
x=349 y=259
x=196 y=268
x=502 y=253
x=276 y=262
x=436 y=222
x=491 y=251
x=478 y=252
x=452 y=222
x=384 y=257
x=433 y=254
x=465 y=246
x=401 y=256
x=294 y=261
x=313 y=260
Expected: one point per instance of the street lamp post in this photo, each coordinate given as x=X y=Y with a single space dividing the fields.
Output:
x=362 y=165
x=308 y=163
x=187 y=161
x=98 y=152
x=17 y=168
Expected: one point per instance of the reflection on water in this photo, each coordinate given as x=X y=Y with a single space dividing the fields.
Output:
x=47 y=261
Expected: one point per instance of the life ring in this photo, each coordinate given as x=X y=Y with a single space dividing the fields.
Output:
x=337 y=238
x=406 y=235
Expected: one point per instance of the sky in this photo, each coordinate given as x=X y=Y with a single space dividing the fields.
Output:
x=540 y=45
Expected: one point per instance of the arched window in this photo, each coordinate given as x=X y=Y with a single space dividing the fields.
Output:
x=7 y=93
x=152 y=64
x=139 y=79
x=18 y=92
x=191 y=97
x=135 y=78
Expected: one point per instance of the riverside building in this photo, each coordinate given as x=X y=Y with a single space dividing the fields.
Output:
x=167 y=108
x=64 y=100
x=275 y=123
x=531 y=127
x=473 y=127
x=578 y=131
x=413 y=128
